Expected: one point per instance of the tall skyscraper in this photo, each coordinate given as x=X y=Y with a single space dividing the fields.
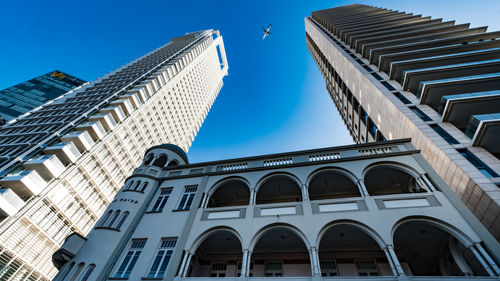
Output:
x=63 y=163
x=353 y=212
x=393 y=75
x=28 y=95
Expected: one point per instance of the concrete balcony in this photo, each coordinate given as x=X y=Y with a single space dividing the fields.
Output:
x=47 y=166
x=457 y=109
x=24 y=183
x=484 y=130
x=10 y=203
x=398 y=68
x=106 y=119
x=133 y=98
x=94 y=129
x=81 y=139
x=116 y=111
x=125 y=105
x=385 y=61
x=412 y=78
x=431 y=92
x=65 y=151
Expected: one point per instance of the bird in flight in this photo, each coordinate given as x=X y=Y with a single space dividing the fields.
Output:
x=266 y=31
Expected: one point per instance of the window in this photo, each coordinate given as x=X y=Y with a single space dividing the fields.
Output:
x=105 y=218
x=480 y=165
x=420 y=113
x=131 y=258
x=362 y=115
x=274 y=269
x=218 y=270
x=187 y=198
x=113 y=219
x=90 y=268
x=328 y=268
x=78 y=270
x=372 y=129
x=143 y=188
x=122 y=220
x=367 y=268
x=162 y=258
x=447 y=137
x=162 y=199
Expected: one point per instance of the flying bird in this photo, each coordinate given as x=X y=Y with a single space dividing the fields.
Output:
x=266 y=31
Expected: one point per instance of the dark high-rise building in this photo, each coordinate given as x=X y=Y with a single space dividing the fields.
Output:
x=394 y=74
x=25 y=96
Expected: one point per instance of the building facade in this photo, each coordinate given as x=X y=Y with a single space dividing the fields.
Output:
x=397 y=75
x=23 y=97
x=62 y=164
x=374 y=209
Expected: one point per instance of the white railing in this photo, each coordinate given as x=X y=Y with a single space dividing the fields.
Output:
x=278 y=162
x=374 y=151
x=324 y=156
x=232 y=167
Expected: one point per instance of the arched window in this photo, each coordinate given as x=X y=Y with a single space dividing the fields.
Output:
x=173 y=163
x=389 y=179
x=136 y=186
x=70 y=267
x=77 y=272
x=113 y=219
x=122 y=220
x=143 y=188
x=149 y=158
x=105 y=218
x=161 y=161
x=90 y=268
x=128 y=185
x=278 y=188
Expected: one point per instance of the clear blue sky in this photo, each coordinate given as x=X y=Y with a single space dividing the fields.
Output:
x=274 y=98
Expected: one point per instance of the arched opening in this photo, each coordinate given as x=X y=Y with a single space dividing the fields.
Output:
x=148 y=159
x=161 y=161
x=347 y=250
x=122 y=220
x=424 y=249
x=387 y=179
x=332 y=184
x=279 y=188
x=173 y=163
x=230 y=193
x=217 y=256
x=280 y=252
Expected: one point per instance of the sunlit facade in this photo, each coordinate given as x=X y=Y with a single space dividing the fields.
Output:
x=394 y=74
x=62 y=164
x=361 y=211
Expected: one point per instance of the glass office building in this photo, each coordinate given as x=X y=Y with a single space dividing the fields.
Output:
x=23 y=97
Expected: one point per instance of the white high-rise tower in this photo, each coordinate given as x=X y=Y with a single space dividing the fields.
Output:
x=62 y=163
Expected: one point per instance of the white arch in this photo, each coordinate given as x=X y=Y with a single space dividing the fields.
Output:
x=338 y=170
x=392 y=164
x=268 y=176
x=357 y=224
x=221 y=182
x=258 y=235
x=448 y=228
x=209 y=232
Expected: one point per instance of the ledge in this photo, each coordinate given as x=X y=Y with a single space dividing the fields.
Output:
x=107 y=228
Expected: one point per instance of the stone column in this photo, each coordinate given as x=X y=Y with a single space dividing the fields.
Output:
x=183 y=263
x=305 y=193
x=362 y=188
x=457 y=256
x=490 y=261
x=392 y=256
x=186 y=266
x=481 y=260
x=244 y=261
x=252 y=196
x=315 y=267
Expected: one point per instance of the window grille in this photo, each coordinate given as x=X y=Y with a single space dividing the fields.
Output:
x=130 y=259
x=162 y=199
x=187 y=198
x=162 y=258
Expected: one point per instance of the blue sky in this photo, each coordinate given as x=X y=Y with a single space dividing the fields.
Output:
x=274 y=98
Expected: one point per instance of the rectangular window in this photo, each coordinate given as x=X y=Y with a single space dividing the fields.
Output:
x=401 y=97
x=162 y=258
x=274 y=269
x=480 y=165
x=218 y=269
x=162 y=199
x=131 y=258
x=447 y=137
x=367 y=268
x=372 y=129
x=420 y=113
x=328 y=268
x=362 y=115
x=187 y=198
